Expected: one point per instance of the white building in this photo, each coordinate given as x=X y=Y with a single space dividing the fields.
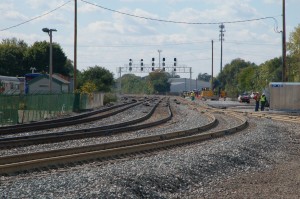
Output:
x=179 y=85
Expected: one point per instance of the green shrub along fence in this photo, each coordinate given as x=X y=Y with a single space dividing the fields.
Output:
x=17 y=109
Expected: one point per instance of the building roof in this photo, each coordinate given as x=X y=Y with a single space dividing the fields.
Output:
x=9 y=79
x=55 y=78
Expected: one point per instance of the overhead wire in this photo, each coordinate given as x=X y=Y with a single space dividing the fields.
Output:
x=36 y=17
x=148 y=18
x=178 y=22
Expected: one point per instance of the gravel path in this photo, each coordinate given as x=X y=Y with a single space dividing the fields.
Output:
x=212 y=169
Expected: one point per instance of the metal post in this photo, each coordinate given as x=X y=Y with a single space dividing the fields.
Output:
x=120 y=76
x=159 y=51
x=190 y=78
x=284 y=66
x=51 y=67
x=75 y=44
x=221 y=39
x=212 y=63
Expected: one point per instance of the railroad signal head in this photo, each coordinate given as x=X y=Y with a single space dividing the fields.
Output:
x=152 y=68
x=142 y=64
x=174 y=69
x=164 y=59
x=142 y=68
x=130 y=62
x=164 y=69
x=130 y=68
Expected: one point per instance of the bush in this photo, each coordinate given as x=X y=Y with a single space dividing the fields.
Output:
x=109 y=97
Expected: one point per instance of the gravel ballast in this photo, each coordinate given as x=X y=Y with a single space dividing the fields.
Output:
x=202 y=170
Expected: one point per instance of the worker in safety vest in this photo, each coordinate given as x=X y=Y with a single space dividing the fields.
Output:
x=263 y=100
x=192 y=95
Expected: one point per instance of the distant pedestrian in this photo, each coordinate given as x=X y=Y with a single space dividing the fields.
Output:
x=257 y=99
x=263 y=101
x=192 y=95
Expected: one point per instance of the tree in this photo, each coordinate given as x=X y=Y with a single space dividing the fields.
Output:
x=101 y=77
x=204 y=77
x=269 y=71
x=134 y=85
x=247 y=78
x=293 y=61
x=159 y=81
x=228 y=78
x=12 y=53
x=38 y=57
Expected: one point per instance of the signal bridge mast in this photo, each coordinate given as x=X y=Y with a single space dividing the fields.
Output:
x=140 y=67
x=147 y=68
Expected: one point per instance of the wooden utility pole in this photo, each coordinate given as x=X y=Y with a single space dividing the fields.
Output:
x=75 y=44
x=284 y=66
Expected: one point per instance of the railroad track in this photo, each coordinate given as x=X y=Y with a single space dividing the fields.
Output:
x=33 y=161
x=12 y=142
x=81 y=118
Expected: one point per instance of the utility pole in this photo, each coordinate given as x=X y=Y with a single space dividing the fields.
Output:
x=284 y=66
x=159 y=51
x=221 y=39
x=75 y=44
x=212 y=63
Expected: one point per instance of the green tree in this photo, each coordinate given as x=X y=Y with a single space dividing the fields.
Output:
x=293 y=61
x=38 y=57
x=204 y=77
x=269 y=71
x=228 y=78
x=246 y=78
x=101 y=77
x=159 y=81
x=12 y=53
x=133 y=84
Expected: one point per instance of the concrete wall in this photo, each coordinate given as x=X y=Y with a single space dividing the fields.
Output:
x=95 y=101
x=285 y=96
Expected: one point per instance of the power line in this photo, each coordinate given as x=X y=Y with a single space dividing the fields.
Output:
x=142 y=45
x=178 y=22
x=35 y=17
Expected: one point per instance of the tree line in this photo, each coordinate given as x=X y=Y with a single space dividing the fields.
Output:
x=18 y=58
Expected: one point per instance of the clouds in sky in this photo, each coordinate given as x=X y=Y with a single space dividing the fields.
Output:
x=109 y=39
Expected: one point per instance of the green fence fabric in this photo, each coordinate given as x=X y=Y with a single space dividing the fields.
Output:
x=9 y=106
x=16 y=109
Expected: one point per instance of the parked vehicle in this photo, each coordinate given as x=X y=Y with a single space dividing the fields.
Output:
x=245 y=97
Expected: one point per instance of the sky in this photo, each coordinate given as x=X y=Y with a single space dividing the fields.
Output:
x=111 y=32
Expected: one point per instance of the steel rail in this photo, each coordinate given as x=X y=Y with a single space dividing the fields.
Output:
x=62 y=123
x=119 y=148
x=74 y=117
x=82 y=133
